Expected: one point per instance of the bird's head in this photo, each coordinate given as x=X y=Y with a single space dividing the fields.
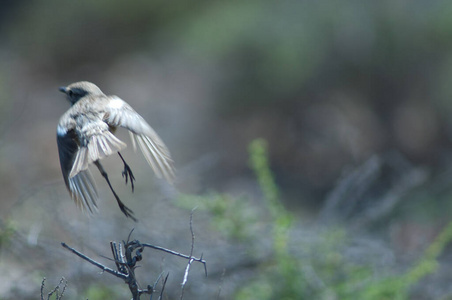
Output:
x=78 y=90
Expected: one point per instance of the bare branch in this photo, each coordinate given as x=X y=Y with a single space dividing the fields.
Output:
x=42 y=288
x=130 y=234
x=187 y=269
x=127 y=254
x=97 y=264
x=163 y=286
x=201 y=260
x=55 y=291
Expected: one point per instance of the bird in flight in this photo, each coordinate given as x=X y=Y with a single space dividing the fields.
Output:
x=85 y=135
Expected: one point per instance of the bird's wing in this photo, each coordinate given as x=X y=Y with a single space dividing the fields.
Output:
x=96 y=143
x=81 y=186
x=119 y=113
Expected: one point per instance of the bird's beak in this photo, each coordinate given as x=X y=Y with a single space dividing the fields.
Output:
x=63 y=89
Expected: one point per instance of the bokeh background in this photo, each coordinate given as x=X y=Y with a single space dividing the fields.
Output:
x=353 y=98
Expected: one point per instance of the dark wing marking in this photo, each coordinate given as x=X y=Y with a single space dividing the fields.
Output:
x=67 y=149
x=81 y=186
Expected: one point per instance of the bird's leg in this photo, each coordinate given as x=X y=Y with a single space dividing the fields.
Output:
x=127 y=173
x=127 y=211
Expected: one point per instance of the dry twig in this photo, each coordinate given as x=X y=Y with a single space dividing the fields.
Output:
x=127 y=254
x=55 y=291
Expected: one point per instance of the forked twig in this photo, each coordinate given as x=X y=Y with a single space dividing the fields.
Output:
x=127 y=254
x=55 y=291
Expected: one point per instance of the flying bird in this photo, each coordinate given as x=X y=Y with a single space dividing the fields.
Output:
x=85 y=135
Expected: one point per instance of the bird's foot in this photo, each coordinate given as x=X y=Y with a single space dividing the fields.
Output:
x=127 y=174
x=126 y=211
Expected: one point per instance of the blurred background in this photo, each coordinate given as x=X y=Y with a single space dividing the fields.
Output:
x=352 y=98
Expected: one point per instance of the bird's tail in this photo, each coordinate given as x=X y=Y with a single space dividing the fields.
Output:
x=98 y=147
x=83 y=191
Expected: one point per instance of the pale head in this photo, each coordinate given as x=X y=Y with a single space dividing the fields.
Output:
x=76 y=91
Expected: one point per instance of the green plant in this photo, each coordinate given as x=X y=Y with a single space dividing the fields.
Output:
x=287 y=266
x=398 y=287
x=298 y=269
x=232 y=216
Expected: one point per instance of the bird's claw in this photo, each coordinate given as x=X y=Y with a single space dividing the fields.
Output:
x=127 y=173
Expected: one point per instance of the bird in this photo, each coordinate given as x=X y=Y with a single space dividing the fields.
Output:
x=85 y=135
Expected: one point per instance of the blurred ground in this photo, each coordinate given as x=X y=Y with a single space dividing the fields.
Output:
x=354 y=99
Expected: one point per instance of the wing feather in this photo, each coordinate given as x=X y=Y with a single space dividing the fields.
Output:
x=119 y=113
x=81 y=187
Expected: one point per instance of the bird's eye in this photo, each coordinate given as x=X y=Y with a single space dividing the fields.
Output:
x=70 y=93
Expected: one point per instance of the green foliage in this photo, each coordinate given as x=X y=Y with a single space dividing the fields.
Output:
x=236 y=218
x=341 y=278
x=297 y=269
x=287 y=266
x=398 y=287
x=232 y=216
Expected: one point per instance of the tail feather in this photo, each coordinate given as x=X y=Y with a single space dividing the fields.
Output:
x=83 y=191
x=98 y=147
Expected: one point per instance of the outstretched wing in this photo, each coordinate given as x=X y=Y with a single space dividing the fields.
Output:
x=119 y=113
x=81 y=186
